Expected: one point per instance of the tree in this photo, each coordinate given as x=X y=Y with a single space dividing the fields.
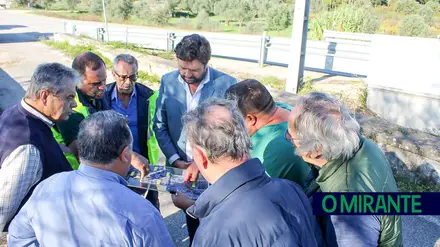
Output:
x=414 y=25
x=121 y=9
x=21 y=2
x=242 y=11
x=206 y=5
x=159 y=15
x=172 y=6
x=71 y=4
x=47 y=3
x=427 y=13
x=202 y=19
x=407 y=6
x=223 y=8
x=278 y=17
x=96 y=6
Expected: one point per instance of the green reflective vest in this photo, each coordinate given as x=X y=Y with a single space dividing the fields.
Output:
x=153 y=146
x=81 y=109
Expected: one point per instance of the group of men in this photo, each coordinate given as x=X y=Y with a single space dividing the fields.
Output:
x=66 y=149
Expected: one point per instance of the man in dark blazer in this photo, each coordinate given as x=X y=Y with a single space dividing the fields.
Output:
x=181 y=91
x=135 y=101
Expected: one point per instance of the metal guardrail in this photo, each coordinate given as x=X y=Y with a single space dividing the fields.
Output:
x=339 y=54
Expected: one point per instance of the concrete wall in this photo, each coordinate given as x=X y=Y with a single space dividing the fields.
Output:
x=404 y=81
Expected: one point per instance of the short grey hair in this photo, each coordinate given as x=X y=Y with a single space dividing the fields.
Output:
x=321 y=120
x=220 y=137
x=103 y=136
x=131 y=60
x=53 y=77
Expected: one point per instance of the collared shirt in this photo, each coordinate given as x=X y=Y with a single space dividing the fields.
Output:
x=253 y=209
x=130 y=113
x=87 y=207
x=21 y=170
x=192 y=101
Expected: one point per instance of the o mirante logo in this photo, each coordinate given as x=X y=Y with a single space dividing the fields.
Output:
x=347 y=203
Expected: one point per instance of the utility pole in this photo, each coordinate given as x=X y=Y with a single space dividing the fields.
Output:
x=105 y=19
x=298 y=45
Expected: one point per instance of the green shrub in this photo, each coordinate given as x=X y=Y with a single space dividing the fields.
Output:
x=427 y=13
x=184 y=23
x=159 y=16
x=317 y=6
x=121 y=9
x=379 y=2
x=346 y=18
x=201 y=19
x=213 y=26
x=406 y=6
x=141 y=11
x=414 y=25
x=145 y=77
x=254 y=27
x=19 y=3
x=434 y=6
x=96 y=7
x=273 y=82
x=278 y=17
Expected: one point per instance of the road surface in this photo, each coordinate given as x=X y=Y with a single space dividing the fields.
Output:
x=20 y=53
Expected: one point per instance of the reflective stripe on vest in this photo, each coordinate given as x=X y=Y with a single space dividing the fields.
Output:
x=153 y=146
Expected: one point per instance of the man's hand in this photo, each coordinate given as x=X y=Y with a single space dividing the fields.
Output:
x=182 y=200
x=191 y=173
x=140 y=163
x=181 y=164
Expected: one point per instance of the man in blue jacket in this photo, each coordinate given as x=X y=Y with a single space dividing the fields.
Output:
x=243 y=206
x=181 y=91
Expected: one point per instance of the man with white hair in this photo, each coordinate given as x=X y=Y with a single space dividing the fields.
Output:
x=28 y=150
x=243 y=206
x=326 y=136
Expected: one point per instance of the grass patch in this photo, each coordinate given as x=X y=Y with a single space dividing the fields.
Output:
x=74 y=50
x=307 y=87
x=415 y=184
x=148 y=78
x=121 y=45
x=274 y=82
x=363 y=95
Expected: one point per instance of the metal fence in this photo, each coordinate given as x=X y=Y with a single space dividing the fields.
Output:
x=339 y=54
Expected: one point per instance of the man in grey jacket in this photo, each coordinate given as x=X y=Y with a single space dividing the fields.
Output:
x=243 y=206
x=181 y=91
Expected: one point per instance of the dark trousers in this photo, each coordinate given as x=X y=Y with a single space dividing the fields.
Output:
x=192 y=225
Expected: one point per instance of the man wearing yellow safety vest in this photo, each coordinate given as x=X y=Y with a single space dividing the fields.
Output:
x=137 y=103
x=89 y=94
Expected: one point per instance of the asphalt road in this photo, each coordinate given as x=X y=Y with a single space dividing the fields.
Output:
x=20 y=53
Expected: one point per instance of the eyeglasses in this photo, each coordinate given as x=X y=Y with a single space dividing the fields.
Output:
x=132 y=77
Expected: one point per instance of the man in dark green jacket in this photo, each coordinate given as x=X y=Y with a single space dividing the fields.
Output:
x=327 y=136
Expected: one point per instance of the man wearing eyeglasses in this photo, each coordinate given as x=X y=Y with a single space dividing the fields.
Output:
x=89 y=94
x=137 y=103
